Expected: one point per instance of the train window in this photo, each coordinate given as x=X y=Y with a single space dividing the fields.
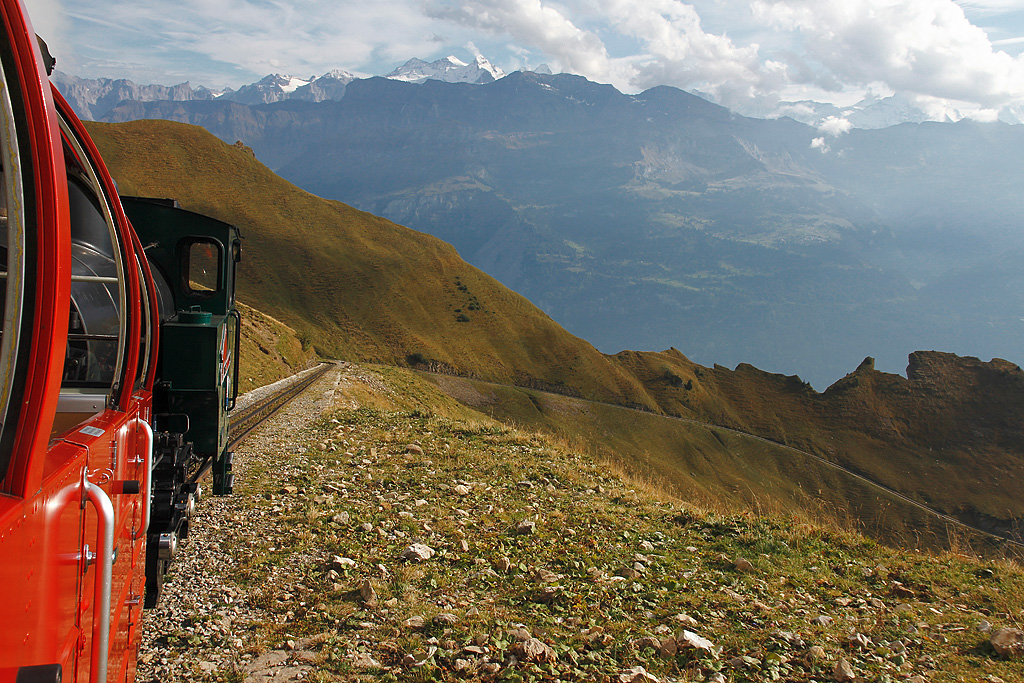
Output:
x=140 y=376
x=202 y=267
x=97 y=328
x=12 y=268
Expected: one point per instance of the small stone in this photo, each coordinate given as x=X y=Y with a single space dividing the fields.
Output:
x=290 y=490
x=417 y=552
x=637 y=674
x=366 y=527
x=341 y=518
x=691 y=639
x=342 y=563
x=822 y=620
x=526 y=527
x=464 y=546
x=414 y=449
x=858 y=641
x=416 y=623
x=816 y=653
x=843 y=672
x=533 y=650
x=364 y=660
x=984 y=626
x=462 y=490
x=502 y=564
x=743 y=565
x=686 y=620
x=1008 y=642
x=368 y=594
x=545 y=576
x=445 y=619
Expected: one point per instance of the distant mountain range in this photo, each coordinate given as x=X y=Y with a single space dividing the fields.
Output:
x=92 y=98
x=660 y=219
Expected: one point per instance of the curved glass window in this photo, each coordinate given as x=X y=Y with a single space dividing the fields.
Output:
x=12 y=267
x=96 y=325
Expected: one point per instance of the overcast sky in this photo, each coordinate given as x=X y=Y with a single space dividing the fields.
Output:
x=939 y=52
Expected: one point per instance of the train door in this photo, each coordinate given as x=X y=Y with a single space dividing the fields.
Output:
x=104 y=383
x=75 y=448
x=41 y=485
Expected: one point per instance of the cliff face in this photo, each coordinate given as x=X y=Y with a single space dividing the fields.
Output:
x=950 y=434
x=947 y=403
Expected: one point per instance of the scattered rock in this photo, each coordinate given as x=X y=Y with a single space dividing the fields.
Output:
x=1008 y=642
x=462 y=490
x=691 y=639
x=414 y=449
x=416 y=623
x=417 y=552
x=533 y=650
x=526 y=528
x=341 y=518
x=637 y=674
x=364 y=660
x=368 y=594
x=445 y=619
x=743 y=565
x=843 y=671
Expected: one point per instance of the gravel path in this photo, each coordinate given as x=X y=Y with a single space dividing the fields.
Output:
x=203 y=626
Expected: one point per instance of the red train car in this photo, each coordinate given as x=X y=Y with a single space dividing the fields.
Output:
x=76 y=444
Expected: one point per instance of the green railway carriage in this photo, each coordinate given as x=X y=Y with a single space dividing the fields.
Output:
x=193 y=259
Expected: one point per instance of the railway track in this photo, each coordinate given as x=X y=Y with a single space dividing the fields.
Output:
x=250 y=417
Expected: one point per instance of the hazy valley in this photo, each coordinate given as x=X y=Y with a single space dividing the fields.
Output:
x=662 y=220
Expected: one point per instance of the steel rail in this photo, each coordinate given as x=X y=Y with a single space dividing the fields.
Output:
x=247 y=419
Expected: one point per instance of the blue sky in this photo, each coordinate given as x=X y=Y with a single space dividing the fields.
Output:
x=963 y=54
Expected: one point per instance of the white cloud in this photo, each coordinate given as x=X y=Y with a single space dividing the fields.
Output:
x=819 y=143
x=677 y=51
x=751 y=52
x=541 y=26
x=835 y=126
x=926 y=47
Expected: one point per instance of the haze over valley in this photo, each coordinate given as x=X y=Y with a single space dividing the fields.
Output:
x=660 y=219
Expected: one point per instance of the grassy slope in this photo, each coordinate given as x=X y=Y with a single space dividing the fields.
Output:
x=360 y=287
x=609 y=577
x=270 y=350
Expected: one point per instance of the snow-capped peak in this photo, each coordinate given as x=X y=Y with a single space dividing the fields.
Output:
x=450 y=69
